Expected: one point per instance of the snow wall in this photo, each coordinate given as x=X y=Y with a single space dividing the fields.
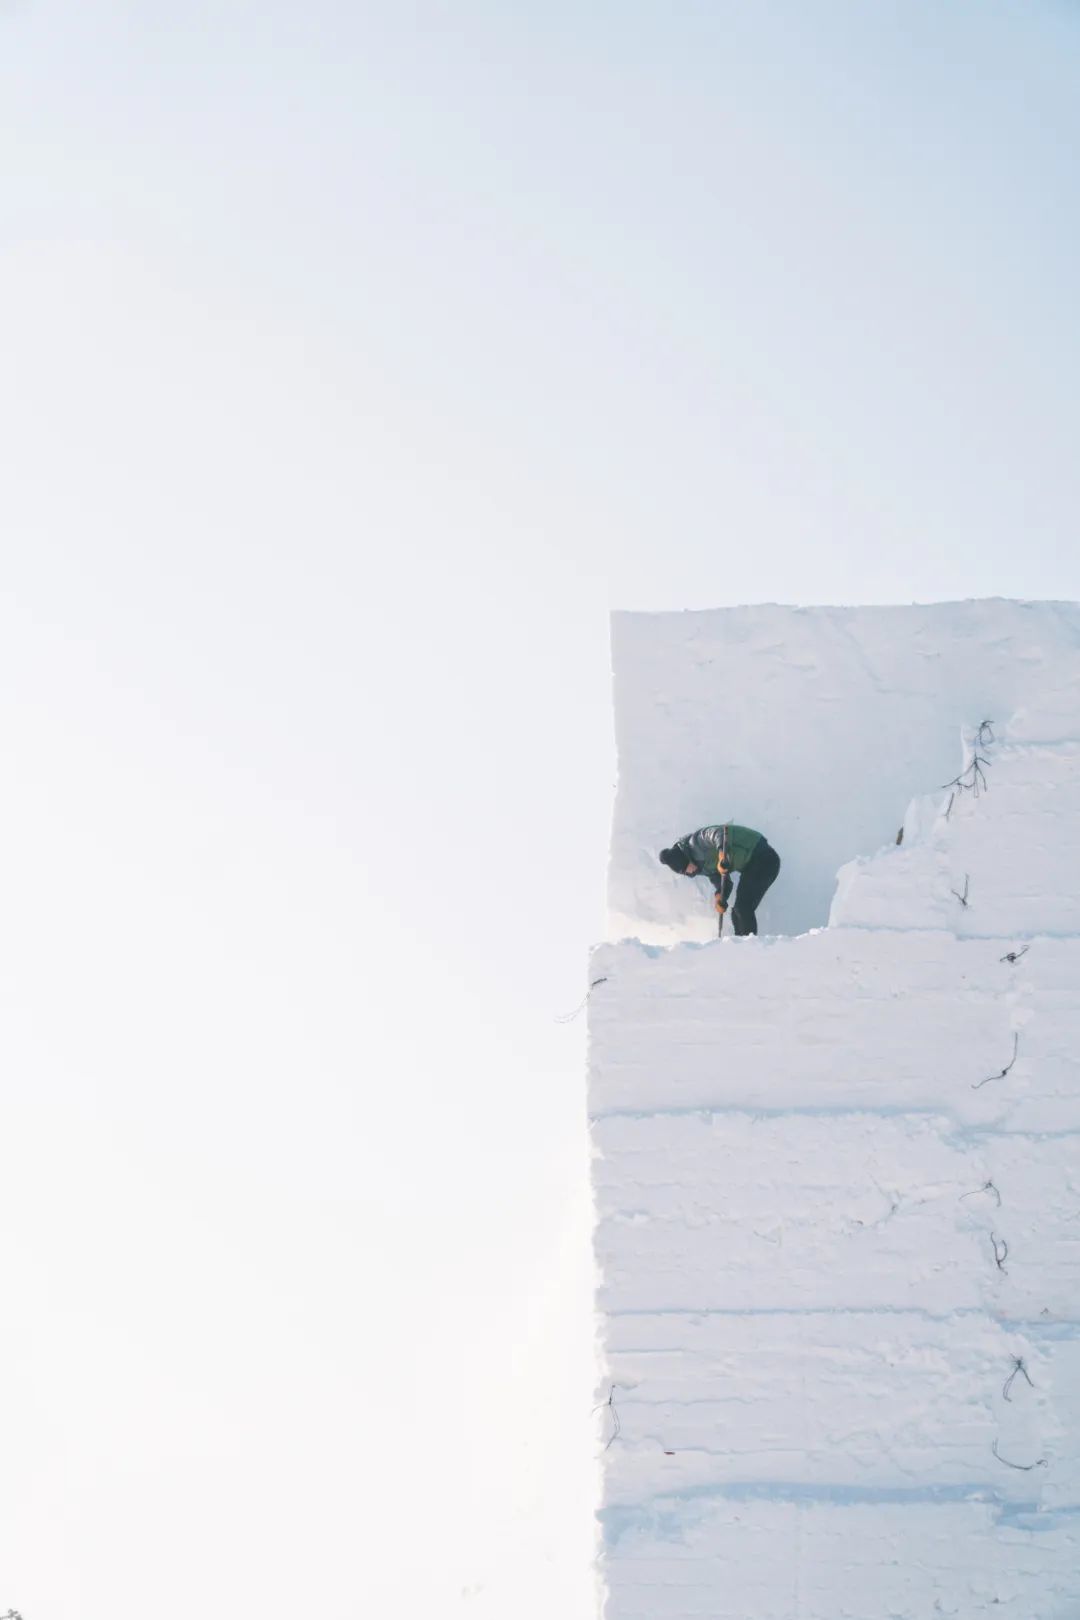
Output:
x=837 y=1174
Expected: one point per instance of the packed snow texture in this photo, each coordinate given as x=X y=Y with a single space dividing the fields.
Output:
x=836 y=1175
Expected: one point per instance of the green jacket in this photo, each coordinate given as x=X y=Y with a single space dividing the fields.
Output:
x=705 y=846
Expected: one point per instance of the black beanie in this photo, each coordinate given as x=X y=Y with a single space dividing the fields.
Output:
x=676 y=858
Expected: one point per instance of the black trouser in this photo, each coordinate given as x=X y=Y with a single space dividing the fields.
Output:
x=757 y=875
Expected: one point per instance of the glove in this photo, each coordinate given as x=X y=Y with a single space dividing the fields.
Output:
x=719 y=902
x=723 y=865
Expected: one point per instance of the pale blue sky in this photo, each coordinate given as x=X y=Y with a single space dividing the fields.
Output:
x=357 y=360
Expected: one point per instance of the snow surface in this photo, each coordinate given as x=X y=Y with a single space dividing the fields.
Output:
x=836 y=1175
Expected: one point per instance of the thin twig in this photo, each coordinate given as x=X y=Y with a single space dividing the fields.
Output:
x=1001 y=1252
x=1025 y=1468
x=976 y=1085
x=987 y=1186
x=562 y=1018
x=616 y=1426
x=963 y=898
x=975 y=771
x=1018 y=1367
x=1014 y=956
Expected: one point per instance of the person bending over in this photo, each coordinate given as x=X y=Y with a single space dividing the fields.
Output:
x=717 y=852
